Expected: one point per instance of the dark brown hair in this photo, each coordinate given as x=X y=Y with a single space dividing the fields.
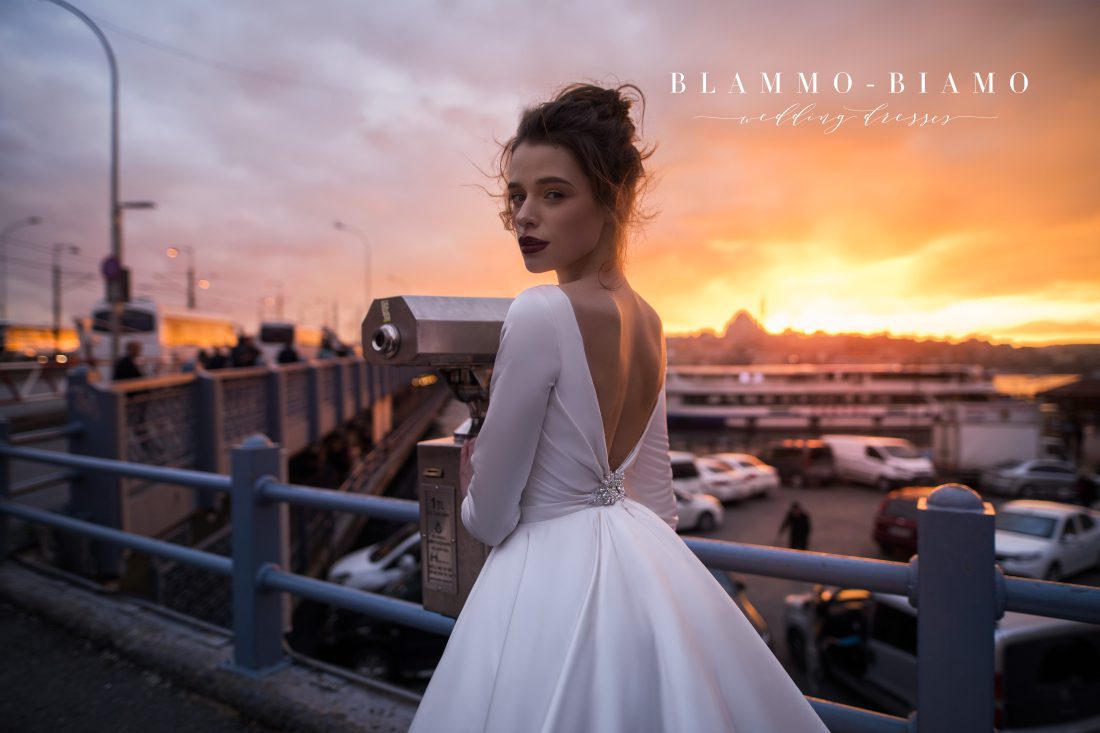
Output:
x=594 y=124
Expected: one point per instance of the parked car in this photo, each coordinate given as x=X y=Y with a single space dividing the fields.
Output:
x=1046 y=668
x=1045 y=539
x=698 y=476
x=1033 y=479
x=878 y=461
x=382 y=649
x=801 y=462
x=895 y=525
x=759 y=477
x=380 y=564
x=700 y=512
x=734 y=585
x=721 y=481
x=685 y=472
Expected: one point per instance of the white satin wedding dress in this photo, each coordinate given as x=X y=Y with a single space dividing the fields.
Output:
x=590 y=613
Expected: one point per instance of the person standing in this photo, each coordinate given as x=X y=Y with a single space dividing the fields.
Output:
x=288 y=354
x=590 y=613
x=797 y=523
x=245 y=353
x=127 y=367
x=1086 y=489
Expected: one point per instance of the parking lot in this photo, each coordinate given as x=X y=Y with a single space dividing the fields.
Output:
x=842 y=517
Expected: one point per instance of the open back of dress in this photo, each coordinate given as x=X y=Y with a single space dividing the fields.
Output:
x=589 y=615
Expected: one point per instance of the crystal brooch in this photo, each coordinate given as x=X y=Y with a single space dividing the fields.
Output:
x=610 y=490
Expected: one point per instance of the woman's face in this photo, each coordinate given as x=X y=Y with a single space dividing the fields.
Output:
x=552 y=202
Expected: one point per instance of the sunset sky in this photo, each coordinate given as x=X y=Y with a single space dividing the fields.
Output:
x=255 y=125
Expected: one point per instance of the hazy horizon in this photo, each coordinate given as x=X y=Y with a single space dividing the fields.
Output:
x=255 y=127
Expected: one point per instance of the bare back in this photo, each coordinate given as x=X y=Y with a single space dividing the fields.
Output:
x=625 y=350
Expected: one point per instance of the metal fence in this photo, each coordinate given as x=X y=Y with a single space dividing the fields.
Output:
x=192 y=421
x=954 y=581
x=31 y=381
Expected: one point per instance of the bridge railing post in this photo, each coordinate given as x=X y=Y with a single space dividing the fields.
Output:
x=209 y=423
x=5 y=484
x=313 y=392
x=260 y=540
x=95 y=497
x=275 y=396
x=956 y=611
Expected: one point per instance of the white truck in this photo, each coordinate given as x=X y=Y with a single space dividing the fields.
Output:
x=878 y=461
x=969 y=439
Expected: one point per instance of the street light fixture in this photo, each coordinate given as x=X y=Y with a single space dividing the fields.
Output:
x=8 y=231
x=57 y=250
x=341 y=226
x=279 y=299
x=174 y=252
x=116 y=206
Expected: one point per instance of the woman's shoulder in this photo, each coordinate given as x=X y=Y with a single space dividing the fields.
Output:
x=650 y=314
x=535 y=297
x=532 y=307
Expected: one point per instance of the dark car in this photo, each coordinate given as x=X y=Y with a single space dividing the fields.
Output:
x=895 y=528
x=376 y=648
x=1045 y=668
x=801 y=462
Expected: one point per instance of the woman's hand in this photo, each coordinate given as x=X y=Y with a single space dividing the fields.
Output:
x=465 y=467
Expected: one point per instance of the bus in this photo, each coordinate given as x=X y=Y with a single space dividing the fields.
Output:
x=26 y=342
x=170 y=338
x=274 y=335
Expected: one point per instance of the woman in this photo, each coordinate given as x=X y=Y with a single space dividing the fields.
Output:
x=590 y=613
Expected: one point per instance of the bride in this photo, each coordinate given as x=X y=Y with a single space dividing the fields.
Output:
x=590 y=613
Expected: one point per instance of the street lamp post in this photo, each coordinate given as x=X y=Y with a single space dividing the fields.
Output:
x=7 y=232
x=366 y=257
x=116 y=206
x=57 y=250
x=279 y=298
x=115 y=210
x=174 y=252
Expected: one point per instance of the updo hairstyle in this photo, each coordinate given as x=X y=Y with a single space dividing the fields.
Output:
x=594 y=124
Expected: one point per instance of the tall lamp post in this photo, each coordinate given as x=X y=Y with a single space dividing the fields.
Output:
x=57 y=250
x=116 y=207
x=279 y=299
x=366 y=259
x=174 y=252
x=7 y=232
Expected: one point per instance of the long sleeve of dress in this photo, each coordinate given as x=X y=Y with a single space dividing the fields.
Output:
x=649 y=478
x=527 y=365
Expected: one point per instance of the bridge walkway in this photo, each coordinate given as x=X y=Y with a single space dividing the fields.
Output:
x=79 y=658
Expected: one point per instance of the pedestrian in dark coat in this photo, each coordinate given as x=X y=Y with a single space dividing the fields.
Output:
x=126 y=367
x=797 y=522
x=288 y=354
x=1086 y=489
x=245 y=353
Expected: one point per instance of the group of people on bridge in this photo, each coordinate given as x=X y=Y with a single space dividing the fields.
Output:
x=244 y=354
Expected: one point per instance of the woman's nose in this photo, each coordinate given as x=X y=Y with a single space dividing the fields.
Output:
x=525 y=214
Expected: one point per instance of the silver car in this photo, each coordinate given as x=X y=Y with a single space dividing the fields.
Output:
x=1033 y=479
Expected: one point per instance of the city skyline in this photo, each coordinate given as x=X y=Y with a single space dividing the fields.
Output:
x=255 y=129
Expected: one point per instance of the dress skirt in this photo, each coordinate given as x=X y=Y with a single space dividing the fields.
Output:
x=603 y=620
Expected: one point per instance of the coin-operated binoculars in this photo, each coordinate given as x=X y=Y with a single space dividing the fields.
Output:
x=459 y=338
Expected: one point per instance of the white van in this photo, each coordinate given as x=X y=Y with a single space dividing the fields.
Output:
x=1047 y=671
x=884 y=463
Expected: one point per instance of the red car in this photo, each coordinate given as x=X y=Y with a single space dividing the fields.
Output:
x=895 y=530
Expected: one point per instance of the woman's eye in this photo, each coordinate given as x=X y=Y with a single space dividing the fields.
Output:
x=516 y=199
x=555 y=195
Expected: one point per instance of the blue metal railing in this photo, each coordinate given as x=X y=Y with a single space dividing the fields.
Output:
x=966 y=591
